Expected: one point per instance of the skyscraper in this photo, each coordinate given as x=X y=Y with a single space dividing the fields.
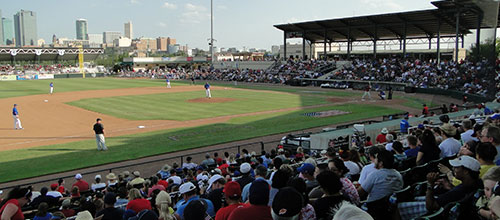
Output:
x=8 y=31
x=2 y=41
x=81 y=29
x=110 y=36
x=129 y=32
x=25 y=28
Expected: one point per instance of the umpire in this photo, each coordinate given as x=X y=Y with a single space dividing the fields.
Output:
x=99 y=135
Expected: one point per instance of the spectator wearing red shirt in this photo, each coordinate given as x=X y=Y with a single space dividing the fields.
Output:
x=425 y=110
x=381 y=137
x=81 y=184
x=368 y=141
x=136 y=202
x=258 y=209
x=232 y=192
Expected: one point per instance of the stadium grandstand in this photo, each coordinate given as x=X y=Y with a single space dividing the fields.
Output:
x=443 y=164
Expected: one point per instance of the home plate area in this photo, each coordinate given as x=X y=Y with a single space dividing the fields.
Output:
x=325 y=113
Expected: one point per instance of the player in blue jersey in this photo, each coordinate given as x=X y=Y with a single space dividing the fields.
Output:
x=207 y=90
x=15 y=115
x=51 y=87
x=168 y=83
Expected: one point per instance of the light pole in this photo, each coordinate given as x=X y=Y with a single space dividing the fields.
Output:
x=211 y=31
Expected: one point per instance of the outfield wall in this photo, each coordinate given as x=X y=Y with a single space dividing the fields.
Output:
x=48 y=76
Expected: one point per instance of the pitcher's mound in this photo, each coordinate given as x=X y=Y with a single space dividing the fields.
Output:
x=212 y=100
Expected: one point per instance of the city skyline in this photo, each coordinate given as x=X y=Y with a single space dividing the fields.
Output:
x=236 y=24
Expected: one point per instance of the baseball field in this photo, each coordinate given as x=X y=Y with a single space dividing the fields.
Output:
x=142 y=117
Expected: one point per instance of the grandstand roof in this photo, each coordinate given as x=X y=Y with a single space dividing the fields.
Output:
x=419 y=24
x=47 y=54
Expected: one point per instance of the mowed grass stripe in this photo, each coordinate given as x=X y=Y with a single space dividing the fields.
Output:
x=177 y=106
x=63 y=157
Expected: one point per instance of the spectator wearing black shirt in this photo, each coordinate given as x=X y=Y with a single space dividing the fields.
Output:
x=99 y=135
x=110 y=212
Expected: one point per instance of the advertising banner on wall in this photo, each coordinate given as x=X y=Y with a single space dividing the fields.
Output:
x=45 y=76
x=26 y=77
x=8 y=77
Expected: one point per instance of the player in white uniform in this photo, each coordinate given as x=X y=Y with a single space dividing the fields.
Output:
x=207 y=90
x=168 y=83
x=51 y=87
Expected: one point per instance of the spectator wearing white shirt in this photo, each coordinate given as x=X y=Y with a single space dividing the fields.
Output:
x=98 y=184
x=466 y=136
x=450 y=146
x=368 y=169
x=189 y=165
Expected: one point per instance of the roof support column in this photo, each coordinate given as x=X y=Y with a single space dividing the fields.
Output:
x=324 y=46
x=404 y=39
x=311 y=49
x=462 y=39
x=303 y=45
x=438 y=54
x=349 y=43
x=478 y=36
x=375 y=43
x=284 y=45
x=430 y=42
x=457 y=31
x=330 y=45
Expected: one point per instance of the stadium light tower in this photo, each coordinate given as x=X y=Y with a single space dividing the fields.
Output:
x=211 y=31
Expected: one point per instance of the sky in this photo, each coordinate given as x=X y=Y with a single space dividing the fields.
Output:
x=237 y=23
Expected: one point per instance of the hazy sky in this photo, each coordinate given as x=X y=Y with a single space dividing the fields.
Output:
x=237 y=23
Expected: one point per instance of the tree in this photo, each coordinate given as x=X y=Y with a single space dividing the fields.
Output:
x=486 y=50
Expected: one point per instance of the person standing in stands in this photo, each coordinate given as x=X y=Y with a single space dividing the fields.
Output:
x=99 y=135
x=425 y=110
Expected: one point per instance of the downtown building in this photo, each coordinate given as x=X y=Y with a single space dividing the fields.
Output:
x=25 y=28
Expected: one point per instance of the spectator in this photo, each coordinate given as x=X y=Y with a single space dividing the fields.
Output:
x=112 y=180
x=260 y=173
x=390 y=139
x=412 y=144
x=450 y=146
x=122 y=200
x=354 y=168
x=11 y=206
x=208 y=161
x=368 y=141
x=348 y=211
x=368 y=169
x=287 y=204
x=258 y=209
x=66 y=208
x=173 y=176
x=466 y=136
x=163 y=204
x=42 y=213
x=155 y=186
x=429 y=150
x=245 y=178
x=279 y=180
x=189 y=164
x=51 y=201
x=307 y=171
x=136 y=202
x=348 y=189
x=165 y=171
x=465 y=168
x=492 y=134
x=404 y=125
x=398 y=150
x=382 y=182
x=188 y=193
x=61 y=189
x=109 y=212
x=82 y=185
x=53 y=191
x=490 y=179
x=232 y=194
x=215 y=191
x=469 y=149
x=98 y=186
x=381 y=137
x=307 y=210
x=331 y=185
x=425 y=110
x=196 y=210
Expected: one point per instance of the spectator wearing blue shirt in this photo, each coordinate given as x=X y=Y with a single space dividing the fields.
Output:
x=404 y=125
x=412 y=143
x=188 y=192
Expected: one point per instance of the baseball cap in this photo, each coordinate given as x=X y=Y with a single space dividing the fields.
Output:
x=232 y=189
x=306 y=168
x=15 y=104
x=53 y=186
x=245 y=168
x=287 y=202
x=467 y=162
x=78 y=176
x=136 y=173
x=98 y=176
x=186 y=187
x=213 y=179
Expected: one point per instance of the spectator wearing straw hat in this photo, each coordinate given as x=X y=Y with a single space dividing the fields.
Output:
x=112 y=179
x=381 y=137
x=450 y=146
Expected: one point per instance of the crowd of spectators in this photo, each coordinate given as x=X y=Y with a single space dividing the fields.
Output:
x=449 y=170
x=31 y=69
x=466 y=76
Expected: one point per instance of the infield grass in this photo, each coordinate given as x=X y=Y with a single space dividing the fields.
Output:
x=176 y=106
x=43 y=160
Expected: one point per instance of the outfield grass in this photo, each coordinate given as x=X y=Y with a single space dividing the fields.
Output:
x=175 y=106
x=35 y=87
x=37 y=161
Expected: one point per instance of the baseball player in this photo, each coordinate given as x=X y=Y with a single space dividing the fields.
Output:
x=51 y=87
x=367 y=93
x=15 y=115
x=207 y=90
x=99 y=135
x=168 y=83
